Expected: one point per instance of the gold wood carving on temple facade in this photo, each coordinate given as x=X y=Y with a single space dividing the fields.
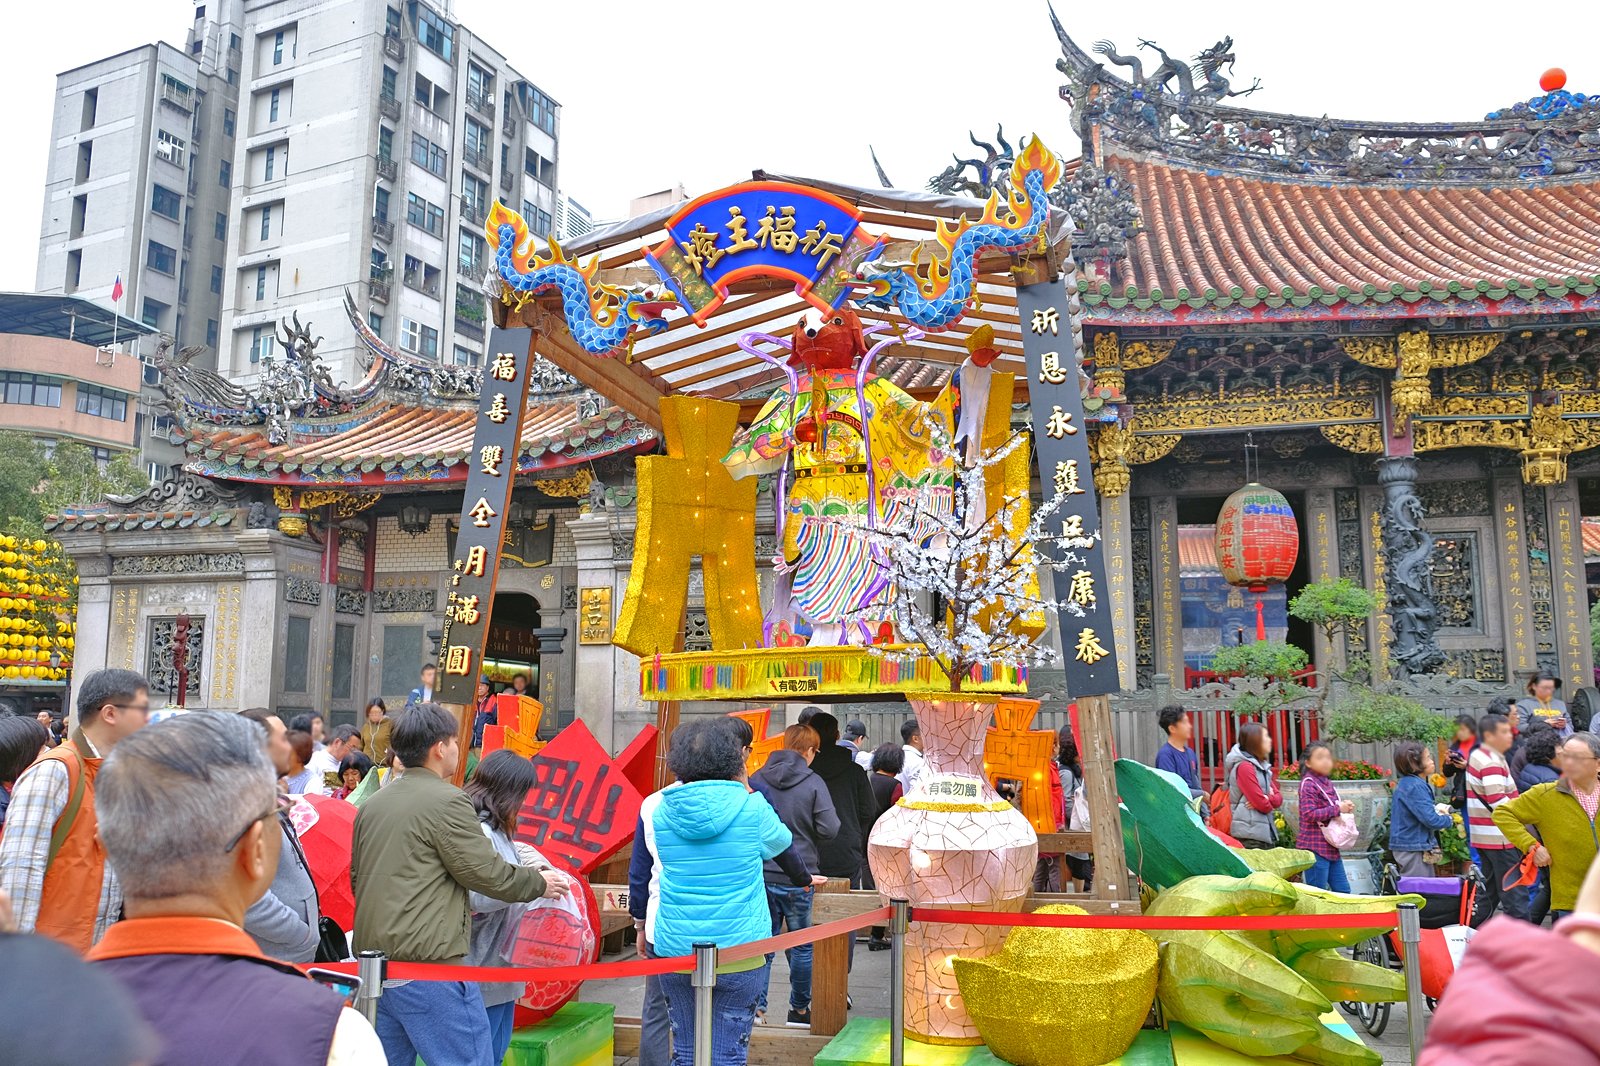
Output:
x=1137 y=355
x=569 y=487
x=1545 y=440
x=1115 y=448
x=1414 y=355
x=1363 y=438
x=1376 y=352
x=1298 y=409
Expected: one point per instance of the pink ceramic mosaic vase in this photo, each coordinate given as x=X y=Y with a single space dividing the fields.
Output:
x=953 y=843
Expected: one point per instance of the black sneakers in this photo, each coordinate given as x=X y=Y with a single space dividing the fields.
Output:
x=799 y=1019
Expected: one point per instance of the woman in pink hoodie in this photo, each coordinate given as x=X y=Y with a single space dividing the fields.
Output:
x=1524 y=994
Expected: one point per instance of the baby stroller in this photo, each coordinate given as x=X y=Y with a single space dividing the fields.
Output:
x=1445 y=915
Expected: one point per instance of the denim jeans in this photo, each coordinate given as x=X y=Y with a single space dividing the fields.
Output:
x=733 y=1015
x=1329 y=874
x=791 y=907
x=443 y=1022
x=655 y=1027
x=502 y=1016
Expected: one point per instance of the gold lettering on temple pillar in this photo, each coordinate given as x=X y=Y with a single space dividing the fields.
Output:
x=490 y=458
x=1047 y=319
x=1081 y=591
x=1051 y=372
x=481 y=512
x=1089 y=649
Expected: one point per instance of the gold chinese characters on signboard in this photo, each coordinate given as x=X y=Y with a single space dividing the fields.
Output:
x=594 y=615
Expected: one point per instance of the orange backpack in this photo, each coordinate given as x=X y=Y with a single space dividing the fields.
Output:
x=1221 y=810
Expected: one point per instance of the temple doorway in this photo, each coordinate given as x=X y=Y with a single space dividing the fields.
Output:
x=512 y=647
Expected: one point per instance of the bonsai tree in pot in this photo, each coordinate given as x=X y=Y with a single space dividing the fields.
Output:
x=1337 y=607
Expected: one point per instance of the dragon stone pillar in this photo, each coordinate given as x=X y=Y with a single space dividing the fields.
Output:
x=1408 y=573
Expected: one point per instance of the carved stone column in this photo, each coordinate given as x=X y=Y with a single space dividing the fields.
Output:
x=1408 y=575
x=594 y=666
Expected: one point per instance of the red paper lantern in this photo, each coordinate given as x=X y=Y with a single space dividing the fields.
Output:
x=1553 y=79
x=1257 y=538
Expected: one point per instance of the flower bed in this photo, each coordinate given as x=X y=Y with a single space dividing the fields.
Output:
x=1343 y=770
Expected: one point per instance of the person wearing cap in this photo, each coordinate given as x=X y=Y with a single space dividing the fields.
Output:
x=1541 y=704
x=855 y=738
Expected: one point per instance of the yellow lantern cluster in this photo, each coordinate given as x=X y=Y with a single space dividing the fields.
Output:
x=37 y=593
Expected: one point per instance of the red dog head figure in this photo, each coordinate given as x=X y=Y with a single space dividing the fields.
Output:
x=827 y=341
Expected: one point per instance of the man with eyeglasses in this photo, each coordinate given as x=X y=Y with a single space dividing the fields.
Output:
x=51 y=859
x=1563 y=814
x=188 y=813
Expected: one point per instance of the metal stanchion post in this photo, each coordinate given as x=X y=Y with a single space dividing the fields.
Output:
x=1411 y=953
x=370 y=967
x=899 y=920
x=704 y=980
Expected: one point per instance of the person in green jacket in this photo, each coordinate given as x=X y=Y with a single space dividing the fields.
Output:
x=417 y=851
x=1563 y=812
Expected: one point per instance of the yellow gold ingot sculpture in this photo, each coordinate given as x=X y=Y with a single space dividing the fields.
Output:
x=1061 y=997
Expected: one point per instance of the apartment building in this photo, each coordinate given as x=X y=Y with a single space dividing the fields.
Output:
x=137 y=188
x=572 y=218
x=374 y=136
x=292 y=150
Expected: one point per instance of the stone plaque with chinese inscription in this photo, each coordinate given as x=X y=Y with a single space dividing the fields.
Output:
x=594 y=615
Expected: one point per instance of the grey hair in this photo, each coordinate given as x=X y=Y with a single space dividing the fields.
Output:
x=342 y=733
x=1591 y=740
x=171 y=797
x=108 y=686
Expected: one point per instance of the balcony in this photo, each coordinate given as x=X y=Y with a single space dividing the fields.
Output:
x=383 y=229
x=505 y=181
x=479 y=158
x=379 y=290
x=387 y=170
x=389 y=106
x=175 y=97
x=473 y=213
x=393 y=45
x=471 y=268
x=508 y=126
x=427 y=286
x=483 y=105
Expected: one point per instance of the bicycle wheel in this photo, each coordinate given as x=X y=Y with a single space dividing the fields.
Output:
x=1374 y=1017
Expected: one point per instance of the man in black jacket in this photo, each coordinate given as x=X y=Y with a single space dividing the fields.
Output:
x=853 y=801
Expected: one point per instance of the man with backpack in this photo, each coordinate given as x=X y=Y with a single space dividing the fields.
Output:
x=51 y=859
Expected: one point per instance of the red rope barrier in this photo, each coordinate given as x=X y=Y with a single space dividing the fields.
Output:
x=796 y=937
x=1379 y=920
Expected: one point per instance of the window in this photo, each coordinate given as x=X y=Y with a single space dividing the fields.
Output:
x=385 y=142
x=152 y=374
x=272 y=162
x=380 y=204
x=216 y=279
x=465 y=356
x=91 y=101
x=166 y=203
x=434 y=33
x=225 y=174
x=474 y=194
x=423 y=215
x=219 y=229
x=211 y=332
x=538 y=220
x=539 y=168
x=478 y=140
x=102 y=403
x=228 y=119
x=261 y=282
x=260 y=343
x=158 y=256
x=233 y=42
x=169 y=147
x=34 y=390
x=470 y=253
x=541 y=109
x=344 y=661
x=374 y=322
x=277 y=48
x=480 y=84
x=151 y=315
x=419 y=339
x=390 y=84
x=158 y=472
x=266 y=222
x=296 y=654
x=427 y=155
x=233 y=76
x=272 y=105
x=391 y=22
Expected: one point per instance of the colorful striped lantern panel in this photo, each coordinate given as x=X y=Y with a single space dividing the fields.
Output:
x=1257 y=538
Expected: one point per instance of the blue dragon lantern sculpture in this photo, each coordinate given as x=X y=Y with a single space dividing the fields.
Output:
x=601 y=318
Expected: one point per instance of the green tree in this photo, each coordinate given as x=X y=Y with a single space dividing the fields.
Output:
x=23 y=470
x=75 y=478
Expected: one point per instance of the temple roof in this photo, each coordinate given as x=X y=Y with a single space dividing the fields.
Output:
x=1227 y=214
x=408 y=422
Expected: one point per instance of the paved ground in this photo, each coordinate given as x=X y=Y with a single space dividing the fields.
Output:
x=869 y=988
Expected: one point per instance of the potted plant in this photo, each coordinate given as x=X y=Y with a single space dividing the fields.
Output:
x=1271 y=670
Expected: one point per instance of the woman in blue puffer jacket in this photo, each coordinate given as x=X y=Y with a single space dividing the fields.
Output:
x=708 y=836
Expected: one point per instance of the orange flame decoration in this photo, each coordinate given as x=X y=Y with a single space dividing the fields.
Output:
x=604 y=300
x=936 y=277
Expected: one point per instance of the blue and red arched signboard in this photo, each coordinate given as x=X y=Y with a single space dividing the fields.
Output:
x=762 y=229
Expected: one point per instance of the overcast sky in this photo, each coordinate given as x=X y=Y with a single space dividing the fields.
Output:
x=701 y=92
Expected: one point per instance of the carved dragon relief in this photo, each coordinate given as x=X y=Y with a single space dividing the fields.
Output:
x=1363 y=438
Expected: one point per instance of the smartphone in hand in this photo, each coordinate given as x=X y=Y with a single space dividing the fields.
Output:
x=347 y=985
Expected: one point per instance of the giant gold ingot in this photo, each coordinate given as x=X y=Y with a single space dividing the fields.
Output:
x=952 y=843
x=1061 y=997
x=689 y=505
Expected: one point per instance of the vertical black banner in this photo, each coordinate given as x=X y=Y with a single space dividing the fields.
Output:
x=491 y=474
x=1061 y=440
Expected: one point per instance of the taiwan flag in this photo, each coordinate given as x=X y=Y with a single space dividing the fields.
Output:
x=116 y=290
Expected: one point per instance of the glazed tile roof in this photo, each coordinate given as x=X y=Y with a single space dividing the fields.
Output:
x=143 y=520
x=1249 y=244
x=395 y=443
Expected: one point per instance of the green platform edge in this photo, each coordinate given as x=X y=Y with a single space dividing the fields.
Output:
x=865 y=1042
x=577 y=1033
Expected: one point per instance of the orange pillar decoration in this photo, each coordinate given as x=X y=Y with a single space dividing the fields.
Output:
x=690 y=505
x=763 y=746
x=1013 y=752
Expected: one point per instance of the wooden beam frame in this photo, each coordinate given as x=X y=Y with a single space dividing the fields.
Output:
x=610 y=376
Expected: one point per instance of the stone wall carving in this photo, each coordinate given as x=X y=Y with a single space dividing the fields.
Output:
x=697 y=631
x=1408 y=573
x=302 y=590
x=159 y=670
x=1455 y=580
x=1454 y=499
x=349 y=601
x=192 y=563
x=1541 y=585
x=1475 y=664
x=404 y=601
x=1144 y=640
x=1352 y=564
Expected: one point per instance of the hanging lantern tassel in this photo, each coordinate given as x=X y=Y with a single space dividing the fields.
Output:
x=1261 y=618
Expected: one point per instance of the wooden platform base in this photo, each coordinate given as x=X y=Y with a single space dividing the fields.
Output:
x=865 y=1042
